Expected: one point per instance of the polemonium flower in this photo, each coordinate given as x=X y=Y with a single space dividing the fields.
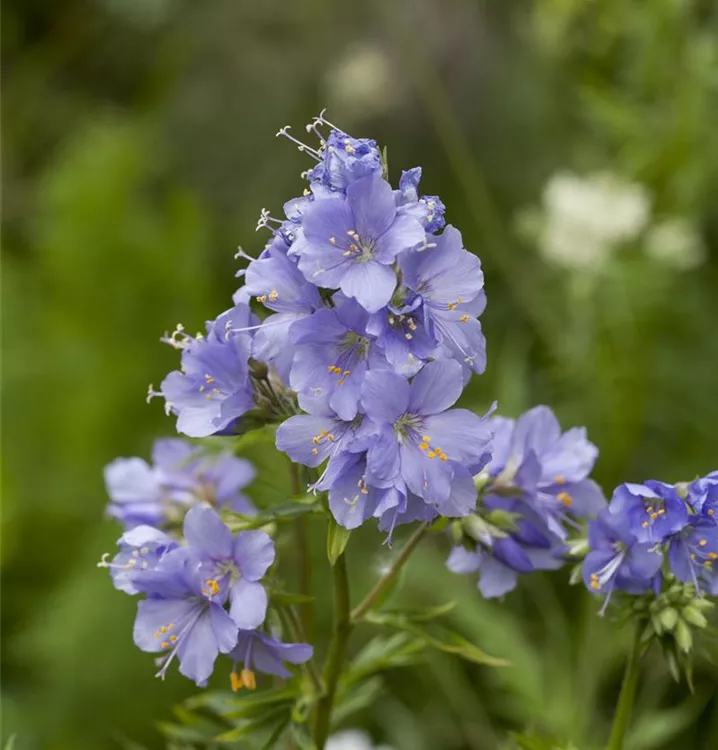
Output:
x=213 y=388
x=351 y=243
x=179 y=620
x=277 y=283
x=498 y=565
x=549 y=467
x=652 y=510
x=344 y=160
x=617 y=559
x=402 y=335
x=450 y=282
x=135 y=493
x=702 y=496
x=693 y=554
x=332 y=354
x=421 y=440
x=141 y=550
x=188 y=475
x=256 y=651
x=428 y=209
x=231 y=567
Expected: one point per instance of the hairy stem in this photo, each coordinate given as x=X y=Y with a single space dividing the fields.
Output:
x=337 y=651
x=626 y=697
x=388 y=578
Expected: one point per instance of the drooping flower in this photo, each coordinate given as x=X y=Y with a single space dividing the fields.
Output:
x=179 y=620
x=141 y=550
x=420 y=439
x=617 y=560
x=135 y=493
x=428 y=209
x=344 y=160
x=231 y=567
x=350 y=243
x=213 y=388
x=653 y=511
x=266 y=654
x=450 y=282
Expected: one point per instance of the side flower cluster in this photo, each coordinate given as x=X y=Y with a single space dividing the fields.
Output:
x=536 y=492
x=369 y=318
x=204 y=595
x=651 y=532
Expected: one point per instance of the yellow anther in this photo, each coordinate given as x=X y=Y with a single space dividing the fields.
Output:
x=346 y=372
x=209 y=379
x=464 y=319
x=273 y=295
x=340 y=381
x=443 y=457
x=644 y=525
x=213 y=586
x=262 y=298
x=235 y=681
x=565 y=498
x=708 y=564
x=364 y=490
x=693 y=556
x=431 y=454
x=424 y=446
x=349 y=148
x=315 y=451
x=595 y=585
x=712 y=555
x=649 y=509
x=661 y=511
x=702 y=543
x=173 y=638
x=330 y=437
x=164 y=629
x=164 y=644
x=408 y=336
x=248 y=679
x=333 y=240
x=654 y=516
x=354 y=247
x=710 y=511
x=560 y=479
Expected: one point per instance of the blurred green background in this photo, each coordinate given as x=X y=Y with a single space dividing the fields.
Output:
x=138 y=151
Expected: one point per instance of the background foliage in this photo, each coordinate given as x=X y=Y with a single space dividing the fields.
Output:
x=138 y=151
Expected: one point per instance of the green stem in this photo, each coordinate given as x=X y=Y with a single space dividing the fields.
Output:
x=309 y=667
x=388 y=579
x=626 y=697
x=337 y=651
x=301 y=533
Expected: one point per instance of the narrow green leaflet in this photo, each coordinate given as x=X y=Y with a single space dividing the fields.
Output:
x=438 y=637
x=337 y=540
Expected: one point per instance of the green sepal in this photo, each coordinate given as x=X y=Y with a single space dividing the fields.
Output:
x=337 y=540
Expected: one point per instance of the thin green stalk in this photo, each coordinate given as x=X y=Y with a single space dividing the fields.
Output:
x=388 y=579
x=299 y=635
x=626 y=698
x=301 y=533
x=337 y=651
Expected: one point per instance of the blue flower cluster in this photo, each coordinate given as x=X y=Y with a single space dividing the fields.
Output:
x=536 y=490
x=204 y=595
x=651 y=529
x=370 y=318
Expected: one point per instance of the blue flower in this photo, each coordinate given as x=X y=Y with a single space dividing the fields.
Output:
x=265 y=654
x=548 y=466
x=450 y=282
x=179 y=620
x=350 y=243
x=213 y=388
x=276 y=282
x=181 y=475
x=693 y=554
x=141 y=550
x=231 y=567
x=421 y=440
x=617 y=559
x=653 y=511
x=498 y=565
x=428 y=209
x=331 y=356
x=346 y=160
x=703 y=496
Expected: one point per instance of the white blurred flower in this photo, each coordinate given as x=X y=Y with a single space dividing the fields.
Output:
x=352 y=739
x=587 y=218
x=676 y=242
x=362 y=83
